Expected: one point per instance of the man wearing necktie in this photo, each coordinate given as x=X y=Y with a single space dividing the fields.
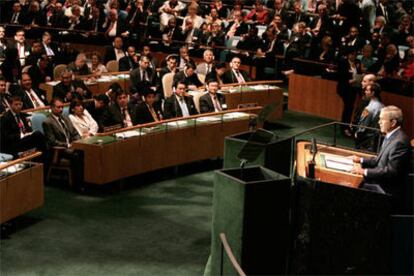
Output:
x=235 y=75
x=206 y=67
x=32 y=98
x=143 y=76
x=122 y=113
x=147 y=111
x=212 y=101
x=180 y=104
x=60 y=132
x=16 y=131
x=392 y=164
x=4 y=96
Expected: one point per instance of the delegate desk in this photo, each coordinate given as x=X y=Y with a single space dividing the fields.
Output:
x=96 y=85
x=21 y=187
x=331 y=164
x=261 y=93
x=116 y=155
x=318 y=97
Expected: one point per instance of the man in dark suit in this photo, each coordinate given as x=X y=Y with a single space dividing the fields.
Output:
x=212 y=101
x=16 y=132
x=115 y=26
x=5 y=97
x=19 y=43
x=389 y=168
x=189 y=76
x=115 y=51
x=31 y=97
x=60 y=132
x=147 y=111
x=297 y=16
x=237 y=27
x=180 y=104
x=130 y=61
x=122 y=113
x=234 y=74
x=171 y=66
x=16 y=17
x=70 y=88
x=98 y=108
x=143 y=76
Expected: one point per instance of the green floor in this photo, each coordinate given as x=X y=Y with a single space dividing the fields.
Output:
x=159 y=228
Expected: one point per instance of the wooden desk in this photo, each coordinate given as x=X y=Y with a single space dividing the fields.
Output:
x=260 y=94
x=160 y=148
x=96 y=87
x=318 y=97
x=322 y=173
x=22 y=191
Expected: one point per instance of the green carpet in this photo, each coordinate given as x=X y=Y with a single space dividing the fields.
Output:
x=159 y=228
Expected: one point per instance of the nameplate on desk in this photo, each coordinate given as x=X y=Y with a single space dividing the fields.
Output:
x=246 y=105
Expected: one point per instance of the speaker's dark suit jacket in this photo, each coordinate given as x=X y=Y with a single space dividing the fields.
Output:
x=392 y=163
x=54 y=132
x=206 y=103
x=113 y=116
x=230 y=77
x=110 y=54
x=144 y=115
x=172 y=109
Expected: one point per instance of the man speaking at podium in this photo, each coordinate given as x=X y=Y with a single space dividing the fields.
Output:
x=389 y=168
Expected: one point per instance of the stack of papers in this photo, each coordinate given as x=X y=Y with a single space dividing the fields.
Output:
x=177 y=124
x=209 y=119
x=235 y=115
x=128 y=134
x=338 y=163
x=12 y=169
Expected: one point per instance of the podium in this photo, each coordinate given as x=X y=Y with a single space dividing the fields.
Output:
x=251 y=206
x=338 y=228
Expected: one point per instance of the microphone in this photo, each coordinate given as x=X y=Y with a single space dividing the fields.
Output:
x=311 y=163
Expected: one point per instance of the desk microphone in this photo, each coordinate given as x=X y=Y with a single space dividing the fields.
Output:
x=311 y=163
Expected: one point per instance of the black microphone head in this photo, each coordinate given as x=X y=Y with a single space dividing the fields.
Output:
x=314 y=147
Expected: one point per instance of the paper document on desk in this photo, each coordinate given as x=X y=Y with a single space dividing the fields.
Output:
x=337 y=162
x=11 y=169
x=263 y=87
x=128 y=134
x=177 y=123
x=53 y=83
x=235 y=115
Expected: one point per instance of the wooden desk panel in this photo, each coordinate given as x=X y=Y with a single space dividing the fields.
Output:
x=21 y=192
x=303 y=155
x=124 y=158
x=314 y=96
x=318 y=97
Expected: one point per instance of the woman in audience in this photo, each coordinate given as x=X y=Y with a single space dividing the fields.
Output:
x=366 y=138
x=326 y=53
x=193 y=14
x=96 y=65
x=81 y=119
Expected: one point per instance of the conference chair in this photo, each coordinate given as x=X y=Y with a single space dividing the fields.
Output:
x=167 y=83
x=202 y=77
x=112 y=66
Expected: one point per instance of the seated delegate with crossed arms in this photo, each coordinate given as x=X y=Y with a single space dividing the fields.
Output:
x=180 y=104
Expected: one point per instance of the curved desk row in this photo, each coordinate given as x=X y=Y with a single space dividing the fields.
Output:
x=119 y=154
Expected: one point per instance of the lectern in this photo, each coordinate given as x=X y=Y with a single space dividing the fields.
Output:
x=338 y=228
